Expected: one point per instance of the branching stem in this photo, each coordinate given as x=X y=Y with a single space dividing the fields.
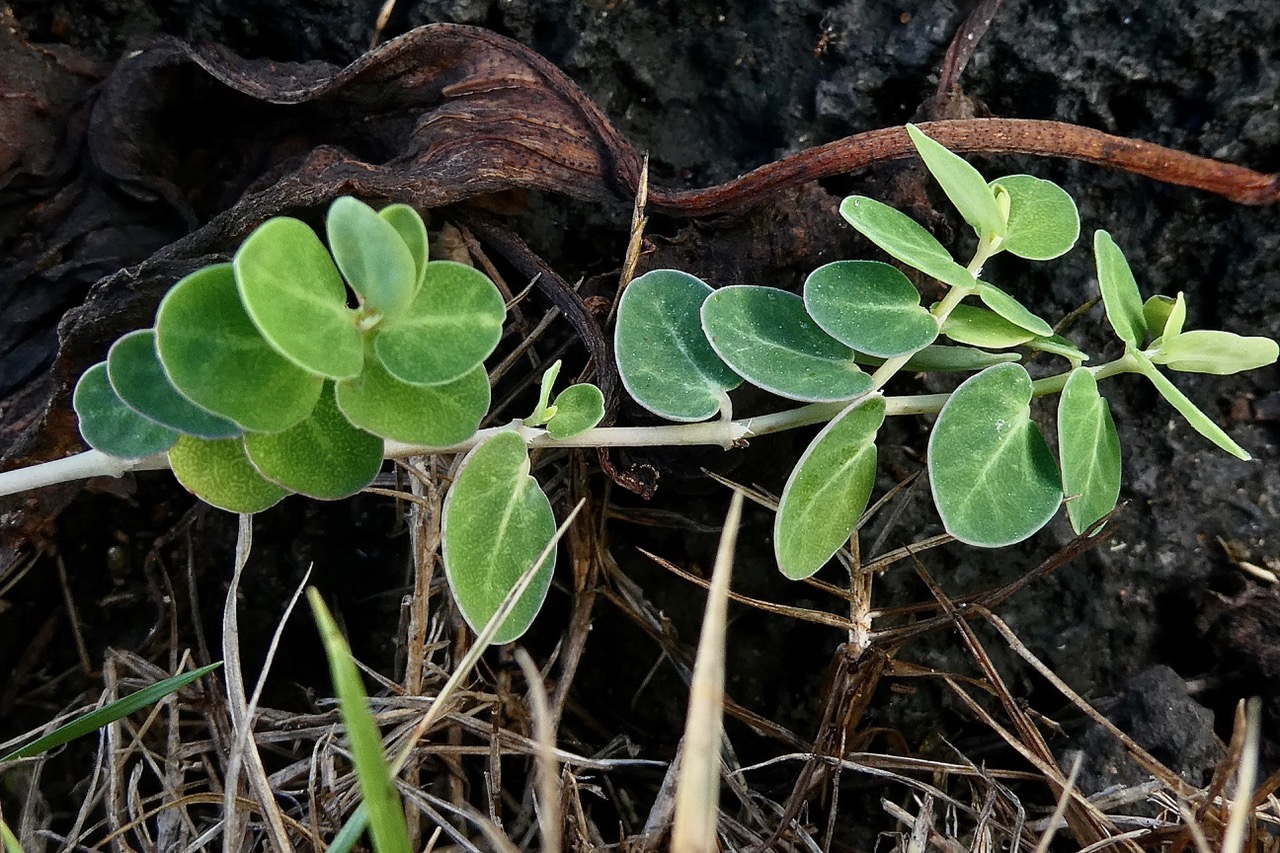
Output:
x=721 y=433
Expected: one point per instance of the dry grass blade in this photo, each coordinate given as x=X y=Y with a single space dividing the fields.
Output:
x=1089 y=824
x=1042 y=846
x=241 y=721
x=1145 y=760
x=818 y=617
x=1241 y=815
x=698 y=788
x=635 y=241
x=548 y=774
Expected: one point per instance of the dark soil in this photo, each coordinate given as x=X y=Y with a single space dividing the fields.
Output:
x=711 y=90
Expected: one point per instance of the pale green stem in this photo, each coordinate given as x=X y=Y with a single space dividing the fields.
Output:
x=82 y=466
x=1053 y=384
x=721 y=433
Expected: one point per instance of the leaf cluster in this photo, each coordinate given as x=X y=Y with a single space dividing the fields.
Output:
x=682 y=346
x=286 y=369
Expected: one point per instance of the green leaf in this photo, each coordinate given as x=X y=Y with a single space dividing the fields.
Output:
x=452 y=326
x=544 y=411
x=219 y=473
x=496 y=524
x=1058 y=345
x=109 y=713
x=215 y=356
x=765 y=335
x=937 y=358
x=323 y=457
x=1043 y=220
x=981 y=328
x=905 y=239
x=109 y=426
x=946 y=359
x=828 y=490
x=1177 y=318
x=295 y=297
x=1012 y=310
x=1120 y=293
x=962 y=183
x=578 y=408
x=870 y=306
x=138 y=377
x=373 y=257
x=1213 y=351
x=1090 y=450
x=430 y=415
x=1199 y=421
x=664 y=359
x=373 y=771
x=1156 y=312
x=413 y=231
x=994 y=478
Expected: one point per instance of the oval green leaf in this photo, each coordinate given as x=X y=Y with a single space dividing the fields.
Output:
x=578 y=408
x=496 y=523
x=1090 y=451
x=413 y=231
x=1120 y=294
x=324 y=456
x=765 y=335
x=219 y=473
x=1199 y=421
x=828 y=490
x=869 y=306
x=430 y=415
x=978 y=327
x=1012 y=310
x=905 y=239
x=664 y=359
x=295 y=296
x=1213 y=351
x=1043 y=220
x=373 y=257
x=963 y=184
x=109 y=426
x=215 y=356
x=138 y=377
x=993 y=477
x=451 y=327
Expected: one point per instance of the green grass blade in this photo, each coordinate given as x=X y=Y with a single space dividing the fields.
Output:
x=351 y=830
x=9 y=840
x=95 y=720
x=377 y=787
